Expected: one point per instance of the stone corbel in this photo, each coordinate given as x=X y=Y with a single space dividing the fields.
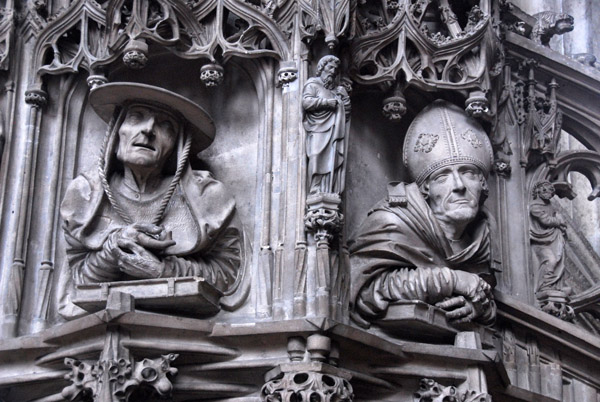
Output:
x=323 y=217
x=311 y=375
x=431 y=391
x=115 y=380
x=288 y=73
x=115 y=376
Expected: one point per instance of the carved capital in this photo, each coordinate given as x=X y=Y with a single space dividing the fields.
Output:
x=36 y=98
x=556 y=303
x=287 y=74
x=323 y=217
x=502 y=167
x=211 y=74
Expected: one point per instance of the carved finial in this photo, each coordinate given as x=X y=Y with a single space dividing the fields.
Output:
x=394 y=107
x=135 y=55
x=212 y=74
x=477 y=105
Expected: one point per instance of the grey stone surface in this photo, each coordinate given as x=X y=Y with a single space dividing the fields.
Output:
x=283 y=330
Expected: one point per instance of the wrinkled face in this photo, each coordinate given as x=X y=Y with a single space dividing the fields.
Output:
x=454 y=192
x=146 y=137
x=546 y=191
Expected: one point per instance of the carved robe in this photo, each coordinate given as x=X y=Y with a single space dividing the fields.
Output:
x=547 y=244
x=200 y=216
x=326 y=130
x=401 y=253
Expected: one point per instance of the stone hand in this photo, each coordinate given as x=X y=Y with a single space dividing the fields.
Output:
x=130 y=248
x=136 y=261
x=332 y=103
x=472 y=287
x=459 y=309
x=147 y=235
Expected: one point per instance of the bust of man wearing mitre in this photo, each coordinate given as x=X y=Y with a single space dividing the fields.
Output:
x=143 y=212
x=430 y=240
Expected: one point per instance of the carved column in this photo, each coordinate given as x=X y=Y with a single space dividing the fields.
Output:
x=13 y=278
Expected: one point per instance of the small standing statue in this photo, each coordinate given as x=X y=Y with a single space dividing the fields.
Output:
x=326 y=121
x=548 y=233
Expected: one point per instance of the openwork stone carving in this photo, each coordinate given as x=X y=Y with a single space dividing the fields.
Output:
x=385 y=267
x=431 y=391
x=425 y=33
x=111 y=380
x=548 y=24
x=136 y=54
x=317 y=381
x=307 y=387
x=543 y=123
x=189 y=29
x=334 y=19
x=7 y=26
x=211 y=74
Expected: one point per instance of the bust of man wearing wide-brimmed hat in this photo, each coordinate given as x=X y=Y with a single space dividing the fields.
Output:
x=430 y=240
x=143 y=213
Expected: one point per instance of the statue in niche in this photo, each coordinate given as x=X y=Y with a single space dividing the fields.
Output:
x=431 y=240
x=144 y=213
x=548 y=232
x=326 y=121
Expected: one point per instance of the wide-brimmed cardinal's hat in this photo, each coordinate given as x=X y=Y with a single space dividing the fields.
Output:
x=105 y=98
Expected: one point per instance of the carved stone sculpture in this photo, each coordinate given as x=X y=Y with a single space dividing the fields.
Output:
x=144 y=213
x=430 y=240
x=548 y=233
x=311 y=375
x=431 y=391
x=116 y=380
x=326 y=121
x=550 y=23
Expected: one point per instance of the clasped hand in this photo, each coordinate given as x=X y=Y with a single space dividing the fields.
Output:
x=134 y=249
x=473 y=301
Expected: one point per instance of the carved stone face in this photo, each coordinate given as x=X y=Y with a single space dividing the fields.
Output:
x=329 y=73
x=454 y=192
x=546 y=191
x=146 y=137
